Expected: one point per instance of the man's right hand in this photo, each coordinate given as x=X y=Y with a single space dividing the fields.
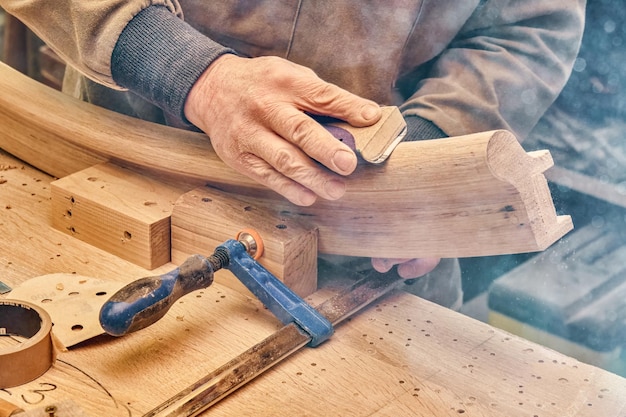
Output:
x=253 y=109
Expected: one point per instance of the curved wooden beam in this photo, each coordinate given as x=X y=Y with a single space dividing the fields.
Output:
x=474 y=195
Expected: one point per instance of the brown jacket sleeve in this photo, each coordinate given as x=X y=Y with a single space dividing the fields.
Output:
x=506 y=66
x=83 y=33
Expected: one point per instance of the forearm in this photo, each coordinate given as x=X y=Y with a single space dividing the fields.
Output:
x=504 y=69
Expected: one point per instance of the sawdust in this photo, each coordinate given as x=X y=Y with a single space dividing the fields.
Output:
x=5 y=167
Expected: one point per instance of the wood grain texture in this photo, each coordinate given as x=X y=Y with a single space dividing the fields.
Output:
x=290 y=244
x=460 y=197
x=475 y=195
x=403 y=356
x=117 y=210
x=375 y=143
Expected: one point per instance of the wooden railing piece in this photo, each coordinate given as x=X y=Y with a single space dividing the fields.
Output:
x=476 y=195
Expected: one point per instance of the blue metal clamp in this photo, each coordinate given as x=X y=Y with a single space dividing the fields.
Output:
x=286 y=305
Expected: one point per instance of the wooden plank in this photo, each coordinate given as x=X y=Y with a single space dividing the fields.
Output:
x=64 y=408
x=266 y=354
x=468 y=196
x=403 y=356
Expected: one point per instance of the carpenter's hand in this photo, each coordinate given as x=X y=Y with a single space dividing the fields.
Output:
x=253 y=111
x=407 y=268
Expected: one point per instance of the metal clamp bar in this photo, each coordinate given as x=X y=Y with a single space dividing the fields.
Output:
x=275 y=295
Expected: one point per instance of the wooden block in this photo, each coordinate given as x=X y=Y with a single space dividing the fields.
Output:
x=375 y=143
x=117 y=210
x=204 y=218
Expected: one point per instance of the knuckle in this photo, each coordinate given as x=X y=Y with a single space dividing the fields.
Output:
x=302 y=129
x=285 y=162
x=325 y=94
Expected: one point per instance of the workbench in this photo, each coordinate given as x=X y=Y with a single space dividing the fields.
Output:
x=401 y=356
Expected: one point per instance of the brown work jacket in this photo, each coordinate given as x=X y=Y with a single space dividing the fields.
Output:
x=467 y=65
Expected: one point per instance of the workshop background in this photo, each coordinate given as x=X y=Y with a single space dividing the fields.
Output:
x=572 y=297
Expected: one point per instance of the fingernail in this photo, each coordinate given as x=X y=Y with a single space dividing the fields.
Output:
x=345 y=160
x=381 y=264
x=335 y=189
x=370 y=111
x=306 y=199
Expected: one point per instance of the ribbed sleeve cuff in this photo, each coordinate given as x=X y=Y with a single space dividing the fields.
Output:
x=420 y=129
x=159 y=57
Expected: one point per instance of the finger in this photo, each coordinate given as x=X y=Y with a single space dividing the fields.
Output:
x=262 y=172
x=416 y=268
x=317 y=142
x=285 y=165
x=330 y=100
x=385 y=264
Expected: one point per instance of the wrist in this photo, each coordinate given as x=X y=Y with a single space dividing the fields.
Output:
x=202 y=92
x=159 y=57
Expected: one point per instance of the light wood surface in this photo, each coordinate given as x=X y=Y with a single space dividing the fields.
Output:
x=475 y=195
x=401 y=357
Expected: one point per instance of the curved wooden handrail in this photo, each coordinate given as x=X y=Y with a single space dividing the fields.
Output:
x=480 y=194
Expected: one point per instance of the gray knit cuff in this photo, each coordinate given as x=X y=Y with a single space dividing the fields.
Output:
x=159 y=57
x=420 y=129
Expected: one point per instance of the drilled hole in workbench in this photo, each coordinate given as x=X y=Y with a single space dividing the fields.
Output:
x=206 y=200
x=69 y=213
x=72 y=200
x=73 y=293
x=281 y=226
x=77 y=327
x=101 y=293
x=127 y=235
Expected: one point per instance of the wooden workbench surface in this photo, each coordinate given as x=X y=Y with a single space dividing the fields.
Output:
x=402 y=356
